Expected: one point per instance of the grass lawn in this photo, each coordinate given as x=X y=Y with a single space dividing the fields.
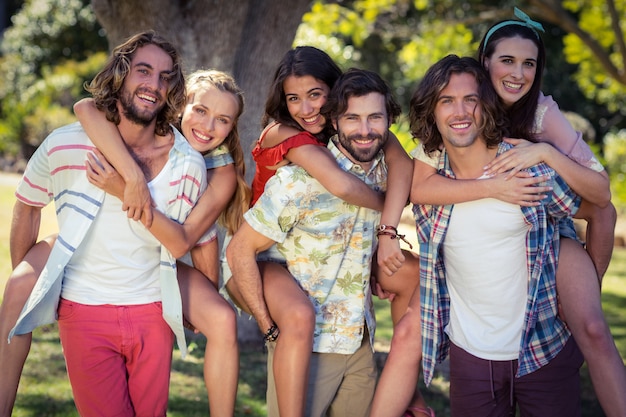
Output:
x=45 y=389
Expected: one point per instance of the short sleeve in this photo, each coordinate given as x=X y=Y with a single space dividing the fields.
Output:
x=218 y=157
x=273 y=215
x=420 y=154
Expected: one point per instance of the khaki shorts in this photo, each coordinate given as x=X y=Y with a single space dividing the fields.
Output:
x=339 y=385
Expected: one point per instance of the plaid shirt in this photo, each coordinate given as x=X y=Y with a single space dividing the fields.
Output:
x=57 y=172
x=328 y=245
x=544 y=334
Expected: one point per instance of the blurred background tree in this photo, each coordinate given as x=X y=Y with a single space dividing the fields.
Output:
x=52 y=46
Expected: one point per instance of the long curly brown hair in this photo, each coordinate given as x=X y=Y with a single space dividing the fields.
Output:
x=107 y=84
x=425 y=97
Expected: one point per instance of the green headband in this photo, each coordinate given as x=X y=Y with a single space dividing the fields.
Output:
x=525 y=21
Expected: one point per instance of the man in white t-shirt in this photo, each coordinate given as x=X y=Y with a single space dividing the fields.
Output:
x=119 y=306
x=488 y=267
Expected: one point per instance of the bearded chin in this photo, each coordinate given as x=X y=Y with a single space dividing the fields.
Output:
x=359 y=154
x=133 y=114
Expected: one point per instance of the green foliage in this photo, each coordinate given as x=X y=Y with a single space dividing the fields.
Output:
x=44 y=33
x=591 y=77
x=53 y=47
x=615 y=156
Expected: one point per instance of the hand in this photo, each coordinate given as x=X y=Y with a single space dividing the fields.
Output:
x=390 y=257
x=524 y=155
x=137 y=202
x=101 y=174
x=378 y=291
x=523 y=189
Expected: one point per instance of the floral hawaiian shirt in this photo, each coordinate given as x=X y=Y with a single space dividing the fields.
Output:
x=328 y=246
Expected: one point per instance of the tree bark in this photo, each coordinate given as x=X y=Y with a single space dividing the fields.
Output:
x=246 y=38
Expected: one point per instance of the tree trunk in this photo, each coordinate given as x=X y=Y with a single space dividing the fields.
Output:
x=246 y=38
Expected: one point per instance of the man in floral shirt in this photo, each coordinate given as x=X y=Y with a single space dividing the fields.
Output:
x=328 y=246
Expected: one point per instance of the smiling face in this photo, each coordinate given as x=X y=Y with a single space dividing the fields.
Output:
x=145 y=86
x=305 y=97
x=457 y=112
x=208 y=118
x=512 y=68
x=363 y=128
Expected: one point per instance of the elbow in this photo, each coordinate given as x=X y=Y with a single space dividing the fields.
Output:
x=180 y=250
x=416 y=194
x=82 y=106
x=603 y=217
x=605 y=199
x=341 y=189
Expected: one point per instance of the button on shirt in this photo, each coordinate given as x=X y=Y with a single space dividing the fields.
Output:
x=328 y=246
x=57 y=172
x=543 y=334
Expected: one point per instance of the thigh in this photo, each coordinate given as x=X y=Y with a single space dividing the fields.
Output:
x=354 y=395
x=92 y=348
x=149 y=359
x=203 y=306
x=24 y=276
x=284 y=297
x=479 y=387
x=553 y=389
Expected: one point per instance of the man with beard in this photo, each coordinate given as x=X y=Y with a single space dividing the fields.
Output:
x=327 y=245
x=112 y=284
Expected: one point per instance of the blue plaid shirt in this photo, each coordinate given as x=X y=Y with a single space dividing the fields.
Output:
x=544 y=334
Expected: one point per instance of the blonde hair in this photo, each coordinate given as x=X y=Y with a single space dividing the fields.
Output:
x=232 y=216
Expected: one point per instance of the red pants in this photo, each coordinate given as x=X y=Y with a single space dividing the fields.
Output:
x=118 y=358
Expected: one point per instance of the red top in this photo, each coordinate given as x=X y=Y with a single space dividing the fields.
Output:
x=269 y=157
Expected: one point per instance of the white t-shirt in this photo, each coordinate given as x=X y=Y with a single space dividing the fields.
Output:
x=487 y=277
x=118 y=261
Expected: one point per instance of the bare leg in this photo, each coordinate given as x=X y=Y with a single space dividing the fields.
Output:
x=208 y=312
x=293 y=312
x=579 y=293
x=13 y=355
x=397 y=386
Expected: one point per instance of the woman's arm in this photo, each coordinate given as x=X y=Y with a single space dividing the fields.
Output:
x=321 y=165
x=136 y=200
x=400 y=170
x=591 y=185
x=177 y=238
x=428 y=187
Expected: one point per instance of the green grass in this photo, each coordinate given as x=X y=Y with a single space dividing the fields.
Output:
x=45 y=389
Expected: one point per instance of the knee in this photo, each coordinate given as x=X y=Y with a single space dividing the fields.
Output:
x=407 y=333
x=19 y=287
x=224 y=324
x=300 y=322
x=596 y=331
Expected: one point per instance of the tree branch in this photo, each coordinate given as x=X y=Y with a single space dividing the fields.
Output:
x=553 y=12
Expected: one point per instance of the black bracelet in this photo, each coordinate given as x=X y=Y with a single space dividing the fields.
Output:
x=272 y=333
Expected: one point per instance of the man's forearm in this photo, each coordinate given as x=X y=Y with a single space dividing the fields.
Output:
x=600 y=237
x=24 y=230
x=241 y=256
